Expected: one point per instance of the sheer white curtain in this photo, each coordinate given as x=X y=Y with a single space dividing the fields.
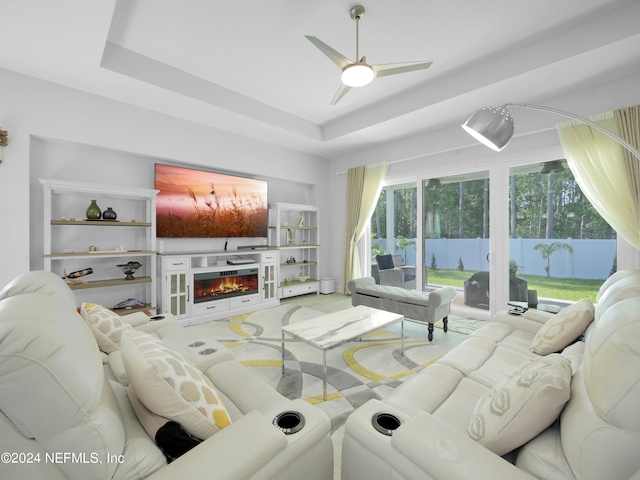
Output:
x=606 y=172
x=363 y=189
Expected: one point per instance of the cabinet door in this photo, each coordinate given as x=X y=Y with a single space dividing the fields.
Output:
x=270 y=280
x=178 y=294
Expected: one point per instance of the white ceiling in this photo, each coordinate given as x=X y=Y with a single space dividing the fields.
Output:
x=246 y=67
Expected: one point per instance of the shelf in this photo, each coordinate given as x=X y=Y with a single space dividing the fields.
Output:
x=127 y=311
x=286 y=247
x=299 y=264
x=98 y=254
x=107 y=283
x=101 y=223
x=295 y=227
x=297 y=282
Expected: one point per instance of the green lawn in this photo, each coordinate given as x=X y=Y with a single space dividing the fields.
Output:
x=561 y=288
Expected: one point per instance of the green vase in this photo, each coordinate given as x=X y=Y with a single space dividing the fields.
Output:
x=94 y=212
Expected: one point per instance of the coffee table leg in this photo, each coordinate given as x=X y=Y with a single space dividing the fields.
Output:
x=282 y=344
x=324 y=375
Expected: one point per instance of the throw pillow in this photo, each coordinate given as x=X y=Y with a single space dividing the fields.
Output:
x=563 y=328
x=520 y=407
x=105 y=325
x=172 y=439
x=172 y=387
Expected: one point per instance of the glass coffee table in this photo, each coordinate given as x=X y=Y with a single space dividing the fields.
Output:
x=329 y=331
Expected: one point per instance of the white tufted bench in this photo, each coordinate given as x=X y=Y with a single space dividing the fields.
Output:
x=426 y=307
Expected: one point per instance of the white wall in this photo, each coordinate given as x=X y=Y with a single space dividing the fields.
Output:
x=38 y=114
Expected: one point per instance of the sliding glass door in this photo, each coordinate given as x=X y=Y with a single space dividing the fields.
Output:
x=559 y=246
x=393 y=236
x=456 y=238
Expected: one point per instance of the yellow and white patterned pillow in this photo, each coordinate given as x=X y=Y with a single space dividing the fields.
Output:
x=520 y=407
x=106 y=326
x=563 y=328
x=170 y=386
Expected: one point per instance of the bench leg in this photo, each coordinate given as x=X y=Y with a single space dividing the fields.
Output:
x=430 y=336
x=445 y=322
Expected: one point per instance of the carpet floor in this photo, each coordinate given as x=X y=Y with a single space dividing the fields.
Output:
x=366 y=368
x=360 y=370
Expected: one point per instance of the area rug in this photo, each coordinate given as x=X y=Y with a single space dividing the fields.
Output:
x=358 y=371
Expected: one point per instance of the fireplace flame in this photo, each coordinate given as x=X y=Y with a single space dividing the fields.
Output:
x=226 y=286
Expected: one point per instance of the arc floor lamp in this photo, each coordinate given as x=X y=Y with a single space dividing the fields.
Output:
x=493 y=126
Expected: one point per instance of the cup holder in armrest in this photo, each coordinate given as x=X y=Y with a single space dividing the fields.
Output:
x=207 y=351
x=289 y=422
x=386 y=423
x=196 y=344
x=157 y=317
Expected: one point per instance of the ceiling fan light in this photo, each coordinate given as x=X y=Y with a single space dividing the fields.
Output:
x=357 y=75
x=492 y=126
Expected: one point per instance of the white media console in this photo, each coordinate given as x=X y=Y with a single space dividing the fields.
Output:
x=205 y=286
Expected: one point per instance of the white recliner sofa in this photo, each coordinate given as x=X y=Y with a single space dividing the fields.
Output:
x=433 y=426
x=63 y=414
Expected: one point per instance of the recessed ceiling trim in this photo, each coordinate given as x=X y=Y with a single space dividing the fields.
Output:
x=132 y=64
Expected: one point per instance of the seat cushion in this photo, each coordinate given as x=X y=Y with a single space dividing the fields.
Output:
x=412 y=297
x=385 y=262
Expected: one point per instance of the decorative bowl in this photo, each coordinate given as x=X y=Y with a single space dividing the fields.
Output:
x=303 y=278
x=129 y=269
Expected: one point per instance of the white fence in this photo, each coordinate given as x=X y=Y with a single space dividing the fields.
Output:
x=591 y=259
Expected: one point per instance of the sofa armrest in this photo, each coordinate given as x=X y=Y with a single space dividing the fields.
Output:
x=238 y=451
x=360 y=282
x=443 y=452
x=135 y=319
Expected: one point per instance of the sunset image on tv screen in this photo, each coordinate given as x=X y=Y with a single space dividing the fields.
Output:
x=195 y=203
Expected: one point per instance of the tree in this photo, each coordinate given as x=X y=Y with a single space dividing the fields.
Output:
x=403 y=243
x=546 y=250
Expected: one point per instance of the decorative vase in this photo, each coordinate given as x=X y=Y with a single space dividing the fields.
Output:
x=109 y=214
x=93 y=212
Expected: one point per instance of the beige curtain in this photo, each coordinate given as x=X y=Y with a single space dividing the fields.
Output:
x=606 y=172
x=363 y=189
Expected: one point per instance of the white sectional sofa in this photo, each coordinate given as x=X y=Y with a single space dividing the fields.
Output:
x=65 y=414
x=435 y=425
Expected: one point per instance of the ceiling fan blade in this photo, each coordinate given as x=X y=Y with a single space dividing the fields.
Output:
x=395 y=68
x=335 y=56
x=342 y=91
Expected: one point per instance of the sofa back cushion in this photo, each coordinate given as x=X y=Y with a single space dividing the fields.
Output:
x=52 y=383
x=39 y=281
x=600 y=424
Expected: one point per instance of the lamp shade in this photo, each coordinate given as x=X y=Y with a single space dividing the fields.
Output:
x=357 y=75
x=492 y=126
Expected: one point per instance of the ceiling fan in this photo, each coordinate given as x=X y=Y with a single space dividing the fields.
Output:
x=358 y=73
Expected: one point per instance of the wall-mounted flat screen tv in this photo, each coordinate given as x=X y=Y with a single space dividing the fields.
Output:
x=200 y=204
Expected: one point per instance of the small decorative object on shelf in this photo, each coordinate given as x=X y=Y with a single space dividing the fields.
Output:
x=128 y=304
x=303 y=278
x=93 y=211
x=74 y=276
x=291 y=260
x=301 y=220
x=129 y=269
x=109 y=214
x=289 y=236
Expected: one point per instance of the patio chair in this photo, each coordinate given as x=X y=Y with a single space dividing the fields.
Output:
x=394 y=273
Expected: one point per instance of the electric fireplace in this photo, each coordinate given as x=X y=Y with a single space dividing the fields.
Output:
x=212 y=286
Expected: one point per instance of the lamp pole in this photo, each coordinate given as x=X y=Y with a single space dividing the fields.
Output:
x=586 y=121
